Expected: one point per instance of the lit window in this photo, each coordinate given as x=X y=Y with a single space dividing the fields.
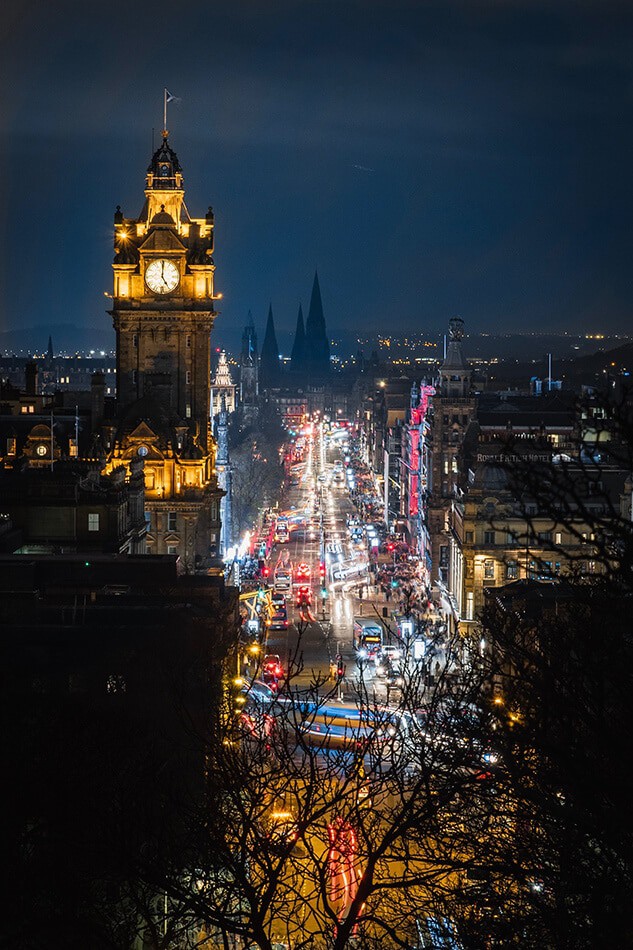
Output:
x=142 y=451
x=489 y=569
x=93 y=521
x=72 y=448
x=115 y=683
x=512 y=570
x=188 y=411
x=470 y=605
x=172 y=549
x=172 y=520
x=558 y=537
x=11 y=446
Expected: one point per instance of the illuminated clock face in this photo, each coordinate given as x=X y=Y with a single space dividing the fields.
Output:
x=41 y=450
x=162 y=276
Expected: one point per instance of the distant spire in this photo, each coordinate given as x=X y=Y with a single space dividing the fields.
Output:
x=317 y=348
x=49 y=353
x=249 y=343
x=298 y=347
x=269 y=364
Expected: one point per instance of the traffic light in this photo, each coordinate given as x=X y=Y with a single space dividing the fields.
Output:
x=265 y=571
x=390 y=547
x=322 y=569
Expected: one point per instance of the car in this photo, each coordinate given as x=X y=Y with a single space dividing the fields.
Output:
x=283 y=580
x=272 y=665
x=394 y=677
x=279 y=619
x=391 y=652
x=303 y=573
x=258 y=692
x=303 y=596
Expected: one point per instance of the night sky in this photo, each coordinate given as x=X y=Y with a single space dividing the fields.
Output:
x=429 y=158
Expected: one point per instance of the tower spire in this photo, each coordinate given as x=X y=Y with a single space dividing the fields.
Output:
x=317 y=348
x=298 y=347
x=269 y=368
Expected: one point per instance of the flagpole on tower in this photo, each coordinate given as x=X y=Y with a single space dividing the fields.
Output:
x=165 y=111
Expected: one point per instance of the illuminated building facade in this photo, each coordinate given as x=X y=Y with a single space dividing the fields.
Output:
x=163 y=310
x=223 y=389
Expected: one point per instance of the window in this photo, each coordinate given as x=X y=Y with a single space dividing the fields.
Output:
x=188 y=377
x=455 y=467
x=142 y=451
x=188 y=411
x=446 y=466
x=72 y=448
x=115 y=683
x=93 y=521
x=545 y=537
x=11 y=446
x=512 y=570
x=470 y=605
x=489 y=537
x=558 y=537
x=489 y=569
x=469 y=537
x=172 y=520
x=172 y=549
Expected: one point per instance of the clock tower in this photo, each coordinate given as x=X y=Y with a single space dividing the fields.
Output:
x=163 y=310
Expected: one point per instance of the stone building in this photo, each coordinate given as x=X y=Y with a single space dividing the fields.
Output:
x=223 y=389
x=163 y=311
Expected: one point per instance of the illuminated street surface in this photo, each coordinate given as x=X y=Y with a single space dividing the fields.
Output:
x=324 y=629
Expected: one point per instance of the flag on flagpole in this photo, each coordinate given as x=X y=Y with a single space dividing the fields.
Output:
x=167 y=97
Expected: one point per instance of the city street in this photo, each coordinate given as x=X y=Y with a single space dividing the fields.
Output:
x=321 y=505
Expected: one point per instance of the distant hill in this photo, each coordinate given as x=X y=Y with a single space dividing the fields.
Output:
x=67 y=338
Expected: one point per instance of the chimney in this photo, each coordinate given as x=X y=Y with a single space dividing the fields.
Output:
x=30 y=375
x=97 y=399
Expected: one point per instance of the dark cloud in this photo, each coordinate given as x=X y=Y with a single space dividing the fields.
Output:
x=498 y=135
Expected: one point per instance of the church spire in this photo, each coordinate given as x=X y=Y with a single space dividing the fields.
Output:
x=269 y=366
x=317 y=348
x=298 y=347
